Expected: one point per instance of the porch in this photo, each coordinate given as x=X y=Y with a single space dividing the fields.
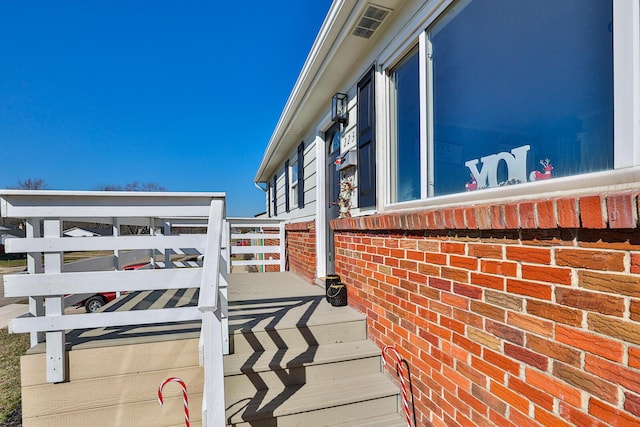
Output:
x=290 y=358
x=295 y=360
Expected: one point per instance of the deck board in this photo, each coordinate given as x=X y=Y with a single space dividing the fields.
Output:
x=253 y=405
x=277 y=321
x=256 y=300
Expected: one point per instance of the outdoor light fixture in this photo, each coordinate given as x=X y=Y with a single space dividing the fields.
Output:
x=339 y=112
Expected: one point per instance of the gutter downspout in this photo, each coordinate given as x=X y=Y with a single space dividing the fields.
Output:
x=266 y=191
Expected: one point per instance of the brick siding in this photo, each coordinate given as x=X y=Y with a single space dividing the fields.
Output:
x=272 y=256
x=515 y=314
x=301 y=249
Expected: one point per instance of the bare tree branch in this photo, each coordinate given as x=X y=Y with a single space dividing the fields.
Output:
x=132 y=186
x=31 y=184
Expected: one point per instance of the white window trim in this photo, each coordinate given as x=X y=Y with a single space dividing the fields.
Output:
x=293 y=185
x=626 y=92
x=626 y=83
x=321 y=195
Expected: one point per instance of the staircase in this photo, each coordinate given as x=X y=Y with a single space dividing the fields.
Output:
x=298 y=361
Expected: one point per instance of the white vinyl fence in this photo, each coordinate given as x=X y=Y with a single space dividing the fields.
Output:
x=49 y=281
x=257 y=243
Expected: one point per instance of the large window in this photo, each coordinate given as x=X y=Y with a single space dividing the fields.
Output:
x=406 y=134
x=516 y=91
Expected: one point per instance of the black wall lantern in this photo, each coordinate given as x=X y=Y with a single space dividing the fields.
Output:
x=339 y=111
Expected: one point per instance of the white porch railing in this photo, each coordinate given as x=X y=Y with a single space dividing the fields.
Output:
x=256 y=242
x=50 y=280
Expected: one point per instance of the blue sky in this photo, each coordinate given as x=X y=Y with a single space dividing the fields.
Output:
x=182 y=93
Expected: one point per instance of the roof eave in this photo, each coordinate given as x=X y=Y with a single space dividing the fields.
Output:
x=317 y=55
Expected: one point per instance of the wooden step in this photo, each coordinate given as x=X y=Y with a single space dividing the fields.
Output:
x=257 y=339
x=298 y=362
x=98 y=362
x=147 y=413
x=114 y=386
x=390 y=420
x=112 y=390
x=328 y=403
x=279 y=368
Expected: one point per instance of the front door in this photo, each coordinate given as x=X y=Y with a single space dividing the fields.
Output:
x=332 y=140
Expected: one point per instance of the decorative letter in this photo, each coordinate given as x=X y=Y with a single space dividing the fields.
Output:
x=480 y=177
x=516 y=162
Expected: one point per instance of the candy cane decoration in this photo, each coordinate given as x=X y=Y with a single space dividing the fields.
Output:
x=185 y=399
x=400 y=372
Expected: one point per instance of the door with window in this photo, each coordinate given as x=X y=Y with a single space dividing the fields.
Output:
x=332 y=140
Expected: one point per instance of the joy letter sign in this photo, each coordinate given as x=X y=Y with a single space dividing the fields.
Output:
x=516 y=163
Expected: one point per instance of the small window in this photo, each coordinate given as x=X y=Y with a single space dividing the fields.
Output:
x=334 y=146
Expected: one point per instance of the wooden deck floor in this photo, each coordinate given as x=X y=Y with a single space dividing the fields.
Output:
x=277 y=300
x=256 y=300
x=292 y=353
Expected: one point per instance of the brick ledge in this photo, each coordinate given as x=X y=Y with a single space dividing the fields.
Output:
x=300 y=226
x=615 y=210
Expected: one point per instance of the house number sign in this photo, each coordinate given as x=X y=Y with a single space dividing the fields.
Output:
x=349 y=139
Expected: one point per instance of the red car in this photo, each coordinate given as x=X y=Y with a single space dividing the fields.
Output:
x=95 y=302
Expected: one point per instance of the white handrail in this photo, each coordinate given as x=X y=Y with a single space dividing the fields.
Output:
x=213 y=321
x=100 y=281
x=65 y=244
x=154 y=211
x=211 y=267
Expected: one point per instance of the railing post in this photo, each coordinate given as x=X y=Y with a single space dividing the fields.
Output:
x=152 y=232
x=54 y=306
x=115 y=227
x=210 y=304
x=226 y=241
x=213 y=410
x=224 y=313
x=34 y=266
x=225 y=260
x=166 y=230
x=283 y=248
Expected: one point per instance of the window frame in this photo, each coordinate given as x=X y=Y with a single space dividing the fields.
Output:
x=626 y=114
x=287 y=193
x=300 y=186
x=293 y=184
x=394 y=156
x=275 y=195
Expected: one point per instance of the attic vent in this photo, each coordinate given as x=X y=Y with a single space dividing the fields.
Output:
x=370 y=21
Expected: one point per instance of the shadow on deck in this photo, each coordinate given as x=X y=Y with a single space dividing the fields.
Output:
x=293 y=356
x=256 y=301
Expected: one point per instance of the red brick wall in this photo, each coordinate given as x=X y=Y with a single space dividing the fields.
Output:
x=272 y=256
x=517 y=314
x=301 y=249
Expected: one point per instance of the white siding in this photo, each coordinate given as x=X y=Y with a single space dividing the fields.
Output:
x=309 y=186
x=280 y=193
